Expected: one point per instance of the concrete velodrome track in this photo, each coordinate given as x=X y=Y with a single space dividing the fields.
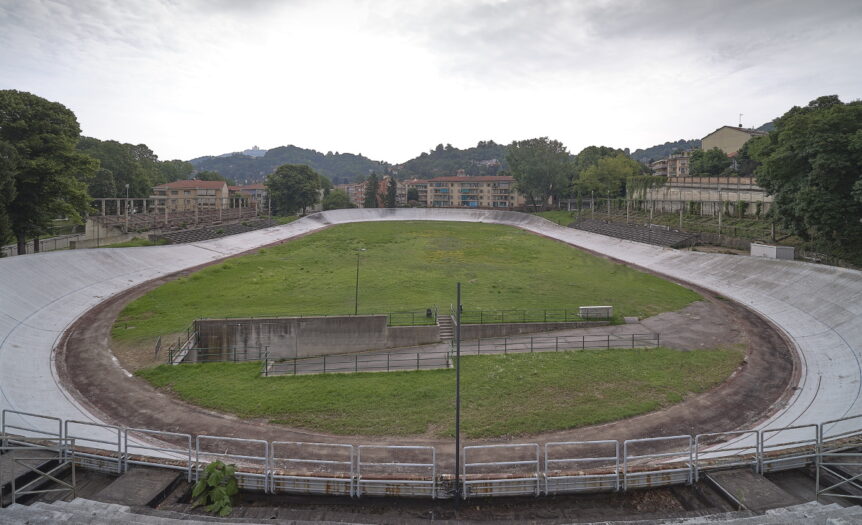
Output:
x=819 y=308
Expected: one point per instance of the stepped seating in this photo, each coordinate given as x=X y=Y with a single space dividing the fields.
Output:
x=213 y=232
x=655 y=235
x=82 y=511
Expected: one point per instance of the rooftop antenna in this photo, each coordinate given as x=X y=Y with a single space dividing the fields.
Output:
x=740 y=120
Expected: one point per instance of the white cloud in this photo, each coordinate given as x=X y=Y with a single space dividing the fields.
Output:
x=390 y=79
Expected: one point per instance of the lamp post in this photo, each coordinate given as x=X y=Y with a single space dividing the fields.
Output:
x=458 y=491
x=356 y=299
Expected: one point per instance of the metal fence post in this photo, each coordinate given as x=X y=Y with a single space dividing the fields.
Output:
x=479 y=346
x=505 y=344
x=609 y=341
x=417 y=360
x=387 y=361
x=356 y=363
x=557 y=344
x=531 y=344
x=324 y=363
x=633 y=340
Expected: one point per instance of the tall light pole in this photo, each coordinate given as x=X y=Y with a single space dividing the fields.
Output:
x=356 y=299
x=458 y=398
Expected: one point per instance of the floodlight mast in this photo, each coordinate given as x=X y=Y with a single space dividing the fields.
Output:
x=458 y=397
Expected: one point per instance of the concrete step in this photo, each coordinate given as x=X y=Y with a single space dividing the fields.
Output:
x=752 y=490
x=140 y=486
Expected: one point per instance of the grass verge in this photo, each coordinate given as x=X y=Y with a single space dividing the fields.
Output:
x=502 y=394
x=405 y=266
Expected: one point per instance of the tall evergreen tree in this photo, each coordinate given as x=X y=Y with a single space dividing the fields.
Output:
x=391 y=193
x=372 y=185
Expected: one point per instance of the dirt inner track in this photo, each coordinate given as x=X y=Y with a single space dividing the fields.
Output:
x=759 y=387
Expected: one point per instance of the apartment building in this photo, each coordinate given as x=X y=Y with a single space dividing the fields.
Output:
x=473 y=192
x=729 y=139
x=187 y=195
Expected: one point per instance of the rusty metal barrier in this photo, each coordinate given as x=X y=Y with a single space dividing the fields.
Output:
x=311 y=468
x=713 y=452
x=567 y=470
x=87 y=452
x=252 y=471
x=775 y=455
x=656 y=469
x=177 y=458
x=392 y=470
x=517 y=475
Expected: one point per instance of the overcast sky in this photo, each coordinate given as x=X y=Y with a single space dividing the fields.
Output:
x=390 y=79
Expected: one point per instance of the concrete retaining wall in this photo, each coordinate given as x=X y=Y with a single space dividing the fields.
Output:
x=289 y=337
x=482 y=331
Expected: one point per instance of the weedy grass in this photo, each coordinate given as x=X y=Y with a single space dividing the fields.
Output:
x=501 y=394
x=405 y=266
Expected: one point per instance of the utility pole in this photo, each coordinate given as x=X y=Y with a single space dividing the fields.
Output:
x=458 y=398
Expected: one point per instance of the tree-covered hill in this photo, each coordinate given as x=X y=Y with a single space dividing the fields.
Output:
x=246 y=169
x=664 y=150
x=486 y=158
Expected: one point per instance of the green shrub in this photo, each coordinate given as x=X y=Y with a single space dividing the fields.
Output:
x=216 y=488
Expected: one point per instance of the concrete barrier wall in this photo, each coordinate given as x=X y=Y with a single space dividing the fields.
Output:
x=482 y=331
x=289 y=337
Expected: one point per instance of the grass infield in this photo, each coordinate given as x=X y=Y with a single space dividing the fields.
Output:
x=501 y=394
x=405 y=266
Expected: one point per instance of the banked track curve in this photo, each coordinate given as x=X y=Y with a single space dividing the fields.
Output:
x=819 y=308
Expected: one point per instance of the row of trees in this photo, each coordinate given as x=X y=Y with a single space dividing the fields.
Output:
x=48 y=170
x=812 y=165
x=544 y=170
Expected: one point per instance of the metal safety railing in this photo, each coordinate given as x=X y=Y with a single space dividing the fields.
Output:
x=312 y=468
x=433 y=359
x=375 y=465
x=833 y=447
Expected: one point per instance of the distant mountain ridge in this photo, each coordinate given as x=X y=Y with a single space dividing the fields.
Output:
x=247 y=169
x=485 y=158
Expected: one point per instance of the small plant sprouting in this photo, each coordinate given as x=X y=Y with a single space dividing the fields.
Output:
x=216 y=488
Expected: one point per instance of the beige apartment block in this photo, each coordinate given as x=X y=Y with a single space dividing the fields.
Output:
x=187 y=195
x=473 y=192
x=729 y=139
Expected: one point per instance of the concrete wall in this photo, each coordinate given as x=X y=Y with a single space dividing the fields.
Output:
x=482 y=331
x=289 y=337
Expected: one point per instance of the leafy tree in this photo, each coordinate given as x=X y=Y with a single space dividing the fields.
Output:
x=711 y=163
x=589 y=157
x=212 y=175
x=541 y=168
x=812 y=165
x=8 y=162
x=49 y=174
x=412 y=194
x=371 y=189
x=103 y=184
x=391 y=193
x=135 y=165
x=337 y=200
x=293 y=188
x=325 y=185
x=171 y=170
x=609 y=175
